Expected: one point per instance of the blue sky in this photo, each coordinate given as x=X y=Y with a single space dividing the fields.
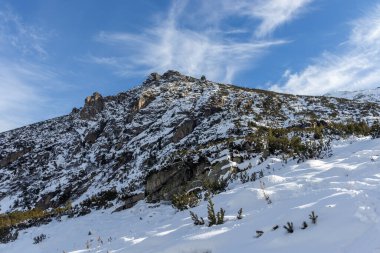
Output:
x=55 y=53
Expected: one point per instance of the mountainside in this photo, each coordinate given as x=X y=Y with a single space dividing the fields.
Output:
x=371 y=95
x=172 y=135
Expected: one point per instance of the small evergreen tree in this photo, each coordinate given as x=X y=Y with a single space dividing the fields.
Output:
x=313 y=217
x=304 y=225
x=197 y=221
x=211 y=213
x=220 y=216
x=289 y=227
x=240 y=214
x=253 y=176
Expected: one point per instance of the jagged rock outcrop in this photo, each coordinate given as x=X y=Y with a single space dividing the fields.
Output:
x=92 y=106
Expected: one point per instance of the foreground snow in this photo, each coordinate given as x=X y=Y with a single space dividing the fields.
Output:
x=343 y=190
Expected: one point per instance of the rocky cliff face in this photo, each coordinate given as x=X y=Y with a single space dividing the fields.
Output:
x=163 y=137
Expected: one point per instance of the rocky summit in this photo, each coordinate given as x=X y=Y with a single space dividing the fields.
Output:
x=172 y=134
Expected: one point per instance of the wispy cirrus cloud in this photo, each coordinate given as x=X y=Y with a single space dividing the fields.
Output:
x=356 y=66
x=17 y=36
x=200 y=43
x=271 y=13
x=22 y=78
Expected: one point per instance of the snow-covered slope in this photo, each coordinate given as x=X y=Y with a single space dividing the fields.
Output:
x=371 y=95
x=343 y=190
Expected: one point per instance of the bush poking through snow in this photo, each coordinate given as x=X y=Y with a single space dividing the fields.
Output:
x=7 y=234
x=244 y=177
x=211 y=213
x=289 y=227
x=266 y=196
x=39 y=238
x=275 y=227
x=212 y=218
x=220 y=216
x=214 y=187
x=259 y=233
x=185 y=201
x=304 y=225
x=197 y=221
x=240 y=214
x=313 y=217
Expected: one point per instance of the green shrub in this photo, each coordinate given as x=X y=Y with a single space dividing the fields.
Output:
x=197 y=221
x=214 y=187
x=211 y=213
x=185 y=201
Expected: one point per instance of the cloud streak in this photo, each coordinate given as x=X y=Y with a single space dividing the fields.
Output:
x=182 y=42
x=22 y=78
x=271 y=13
x=357 y=66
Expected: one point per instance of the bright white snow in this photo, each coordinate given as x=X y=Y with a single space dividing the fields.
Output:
x=343 y=190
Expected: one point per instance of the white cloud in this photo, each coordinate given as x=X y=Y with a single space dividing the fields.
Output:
x=15 y=35
x=18 y=99
x=196 y=42
x=271 y=13
x=356 y=67
x=22 y=82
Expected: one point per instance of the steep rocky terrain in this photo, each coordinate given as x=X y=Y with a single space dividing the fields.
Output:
x=172 y=134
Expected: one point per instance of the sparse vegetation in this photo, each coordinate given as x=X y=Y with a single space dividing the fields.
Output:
x=220 y=216
x=266 y=196
x=289 y=227
x=100 y=200
x=185 y=200
x=197 y=221
x=211 y=213
x=240 y=214
x=313 y=217
x=39 y=238
x=304 y=225
x=213 y=219
x=214 y=186
x=259 y=233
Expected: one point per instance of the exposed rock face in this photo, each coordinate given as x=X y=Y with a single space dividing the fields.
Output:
x=184 y=129
x=10 y=158
x=130 y=201
x=92 y=106
x=179 y=177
